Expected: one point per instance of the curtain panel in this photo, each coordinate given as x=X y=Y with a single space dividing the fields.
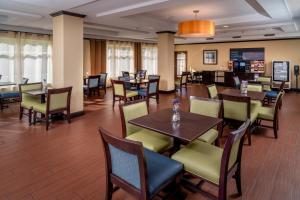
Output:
x=25 y=55
x=149 y=58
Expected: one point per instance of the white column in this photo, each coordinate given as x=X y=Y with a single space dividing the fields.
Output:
x=166 y=60
x=68 y=55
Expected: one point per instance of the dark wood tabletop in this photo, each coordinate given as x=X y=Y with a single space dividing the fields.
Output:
x=237 y=93
x=7 y=83
x=136 y=81
x=190 y=127
x=36 y=92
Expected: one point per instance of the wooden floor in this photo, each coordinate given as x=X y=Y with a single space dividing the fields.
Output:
x=66 y=163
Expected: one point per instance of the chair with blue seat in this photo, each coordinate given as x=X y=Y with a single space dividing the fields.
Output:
x=125 y=73
x=27 y=100
x=273 y=94
x=138 y=171
x=239 y=109
x=92 y=86
x=121 y=93
x=141 y=74
x=151 y=140
x=213 y=164
x=181 y=82
x=210 y=108
x=212 y=91
x=151 y=90
x=126 y=80
x=102 y=81
x=7 y=95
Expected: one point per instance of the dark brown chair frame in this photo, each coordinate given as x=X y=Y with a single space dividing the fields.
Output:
x=153 y=95
x=225 y=173
x=275 y=119
x=22 y=108
x=183 y=84
x=238 y=99
x=220 y=115
x=120 y=98
x=95 y=89
x=101 y=86
x=61 y=110
x=134 y=148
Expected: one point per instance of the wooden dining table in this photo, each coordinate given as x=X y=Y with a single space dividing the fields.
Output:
x=189 y=128
x=237 y=93
x=41 y=93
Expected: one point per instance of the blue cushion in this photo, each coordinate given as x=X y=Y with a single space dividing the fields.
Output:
x=272 y=94
x=143 y=92
x=160 y=170
x=152 y=87
x=7 y=95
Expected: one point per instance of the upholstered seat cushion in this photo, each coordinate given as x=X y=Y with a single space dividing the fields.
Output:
x=266 y=113
x=201 y=159
x=28 y=101
x=210 y=136
x=160 y=170
x=130 y=93
x=254 y=109
x=256 y=103
x=151 y=140
x=272 y=94
x=40 y=107
x=8 y=95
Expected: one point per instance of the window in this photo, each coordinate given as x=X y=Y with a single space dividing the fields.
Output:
x=120 y=57
x=25 y=55
x=181 y=62
x=149 y=58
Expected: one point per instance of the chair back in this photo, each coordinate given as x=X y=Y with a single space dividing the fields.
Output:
x=141 y=74
x=24 y=80
x=265 y=79
x=125 y=73
x=237 y=82
x=131 y=111
x=205 y=106
x=28 y=87
x=118 y=88
x=93 y=81
x=151 y=77
x=255 y=87
x=277 y=103
x=153 y=86
x=212 y=91
x=232 y=152
x=126 y=83
x=102 y=81
x=125 y=164
x=281 y=87
x=183 y=78
x=59 y=99
x=236 y=108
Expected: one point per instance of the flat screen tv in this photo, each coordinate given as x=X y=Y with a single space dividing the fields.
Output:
x=247 y=54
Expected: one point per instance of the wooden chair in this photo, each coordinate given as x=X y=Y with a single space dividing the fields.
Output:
x=140 y=172
x=212 y=91
x=125 y=73
x=92 y=85
x=151 y=91
x=213 y=164
x=210 y=108
x=24 y=80
x=266 y=82
x=181 y=82
x=120 y=93
x=28 y=101
x=151 y=77
x=102 y=81
x=272 y=95
x=255 y=87
x=239 y=109
x=141 y=74
x=151 y=140
x=58 y=101
x=271 y=114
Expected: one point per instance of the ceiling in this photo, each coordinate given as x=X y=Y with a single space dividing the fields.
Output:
x=140 y=19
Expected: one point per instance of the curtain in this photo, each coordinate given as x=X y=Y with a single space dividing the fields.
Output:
x=25 y=55
x=149 y=58
x=120 y=57
x=181 y=63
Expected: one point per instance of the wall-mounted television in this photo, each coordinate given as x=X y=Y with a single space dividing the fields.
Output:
x=247 y=54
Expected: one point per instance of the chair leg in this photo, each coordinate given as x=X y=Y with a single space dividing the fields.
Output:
x=34 y=117
x=47 y=122
x=29 y=116
x=109 y=191
x=222 y=191
x=69 y=116
x=114 y=99
x=157 y=98
x=21 y=112
x=249 y=136
x=238 y=180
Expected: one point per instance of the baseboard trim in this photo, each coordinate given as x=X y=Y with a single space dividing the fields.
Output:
x=166 y=92
x=77 y=114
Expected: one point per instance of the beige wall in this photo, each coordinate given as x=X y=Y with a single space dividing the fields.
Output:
x=87 y=69
x=274 y=50
x=68 y=57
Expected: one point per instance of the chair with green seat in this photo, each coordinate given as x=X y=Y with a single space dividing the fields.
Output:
x=255 y=87
x=58 y=102
x=212 y=91
x=151 y=140
x=213 y=164
x=271 y=114
x=181 y=82
x=272 y=95
x=266 y=82
x=120 y=93
x=210 y=108
x=138 y=171
x=239 y=109
x=27 y=100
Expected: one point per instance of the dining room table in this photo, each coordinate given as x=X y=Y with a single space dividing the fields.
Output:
x=137 y=82
x=42 y=93
x=187 y=129
x=254 y=95
x=7 y=83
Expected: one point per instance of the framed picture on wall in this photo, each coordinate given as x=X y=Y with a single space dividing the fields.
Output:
x=210 y=57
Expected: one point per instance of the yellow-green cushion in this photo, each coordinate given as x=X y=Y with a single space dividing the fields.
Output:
x=29 y=101
x=210 y=136
x=254 y=109
x=151 y=140
x=235 y=110
x=266 y=113
x=256 y=103
x=201 y=159
x=58 y=101
x=204 y=107
x=177 y=82
x=213 y=92
x=264 y=79
x=130 y=93
x=254 y=88
x=119 y=89
x=41 y=107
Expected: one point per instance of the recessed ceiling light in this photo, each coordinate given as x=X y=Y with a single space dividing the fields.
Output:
x=226 y=26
